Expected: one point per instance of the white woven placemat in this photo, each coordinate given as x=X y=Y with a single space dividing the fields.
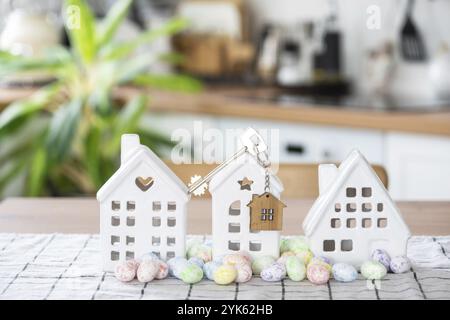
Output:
x=61 y=266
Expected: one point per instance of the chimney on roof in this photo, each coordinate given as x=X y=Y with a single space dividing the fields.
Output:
x=129 y=143
x=327 y=174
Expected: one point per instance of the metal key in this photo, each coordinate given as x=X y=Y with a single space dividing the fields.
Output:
x=252 y=142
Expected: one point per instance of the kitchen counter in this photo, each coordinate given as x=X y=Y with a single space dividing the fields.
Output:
x=257 y=103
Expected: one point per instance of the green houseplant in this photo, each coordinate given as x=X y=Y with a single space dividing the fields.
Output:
x=70 y=129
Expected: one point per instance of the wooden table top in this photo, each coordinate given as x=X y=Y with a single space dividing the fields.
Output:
x=240 y=103
x=81 y=215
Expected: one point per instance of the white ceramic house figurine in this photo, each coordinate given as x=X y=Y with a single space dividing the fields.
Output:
x=142 y=207
x=239 y=223
x=354 y=214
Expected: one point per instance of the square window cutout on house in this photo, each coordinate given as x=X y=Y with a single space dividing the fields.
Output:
x=156 y=206
x=351 y=207
x=171 y=206
x=234 y=245
x=115 y=240
x=131 y=205
x=382 y=223
x=170 y=254
x=366 y=192
x=351 y=223
x=328 y=245
x=235 y=208
x=115 y=221
x=335 y=223
x=156 y=221
x=171 y=222
x=131 y=221
x=337 y=207
x=380 y=207
x=130 y=241
x=115 y=205
x=129 y=255
x=234 y=227
x=170 y=241
x=346 y=245
x=366 y=223
x=366 y=207
x=115 y=255
x=350 y=192
x=156 y=241
x=254 y=246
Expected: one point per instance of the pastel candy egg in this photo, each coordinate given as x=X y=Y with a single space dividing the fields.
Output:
x=284 y=256
x=225 y=274
x=305 y=255
x=297 y=244
x=274 y=272
x=400 y=264
x=197 y=261
x=344 y=272
x=245 y=255
x=244 y=273
x=284 y=245
x=163 y=270
x=209 y=268
x=317 y=273
x=126 y=271
x=261 y=263
x=150 y=256
x=325 y=259
x=318 y=260
x=147 y=270
x=201 y=251
x=295 y=268
x=382 y=256
x=175 y=265
x=191 y=273
x=235 y=259
x=373 y=270
x=219 y=258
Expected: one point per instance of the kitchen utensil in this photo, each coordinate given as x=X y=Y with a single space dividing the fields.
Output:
x=412 y=45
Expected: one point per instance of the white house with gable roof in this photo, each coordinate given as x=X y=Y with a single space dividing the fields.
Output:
x=354 y=214
x=142 y=207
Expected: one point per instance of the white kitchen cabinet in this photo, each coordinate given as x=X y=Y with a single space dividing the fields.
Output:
x=418 y=166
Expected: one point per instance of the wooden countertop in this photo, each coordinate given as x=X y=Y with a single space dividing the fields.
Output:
x=81 y=215
x=235 y=102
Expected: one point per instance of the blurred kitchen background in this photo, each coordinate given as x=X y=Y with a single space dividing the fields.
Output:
x=330 y=75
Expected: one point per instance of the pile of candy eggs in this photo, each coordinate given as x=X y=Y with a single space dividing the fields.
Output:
x=145 y=269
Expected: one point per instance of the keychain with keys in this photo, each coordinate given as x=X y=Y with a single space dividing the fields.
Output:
x=252 y=143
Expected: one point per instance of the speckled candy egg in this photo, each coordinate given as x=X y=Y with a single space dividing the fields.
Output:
x=400 y=264
x=317 y=273
x=261 y=263
x=235 y=259
x=201 y=251
x=284 y=257
x=284 y=245
x=305 y=255
x=197 y=261
x=209 y=268
x=297 y=244
x=163 y=270
x=147 y=270
x=150 y=256
x=373 y=270
x=126 y=271
x=246 y=256
x=244 y=272
x=191 y=273
x=319 y=260
x=382 y=256
x=175 y=265
x=344 y=272
x=275 y=272
x=225 y=274
x=295 y=268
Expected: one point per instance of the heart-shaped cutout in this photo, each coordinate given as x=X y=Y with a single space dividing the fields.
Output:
x=144 y=183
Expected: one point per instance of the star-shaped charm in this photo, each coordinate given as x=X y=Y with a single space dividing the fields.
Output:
x=246 y=184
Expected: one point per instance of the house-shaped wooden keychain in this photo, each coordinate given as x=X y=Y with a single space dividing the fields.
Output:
x=142 y=208
x=354 y=214
x=266 y=212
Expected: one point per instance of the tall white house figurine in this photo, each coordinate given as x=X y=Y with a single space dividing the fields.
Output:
x=142 y=207
x=354 y=214
x=246 y=210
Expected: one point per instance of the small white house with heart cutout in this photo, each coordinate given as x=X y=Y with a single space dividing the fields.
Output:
x=234 y=190
x=142 y=207
x=354 y=214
